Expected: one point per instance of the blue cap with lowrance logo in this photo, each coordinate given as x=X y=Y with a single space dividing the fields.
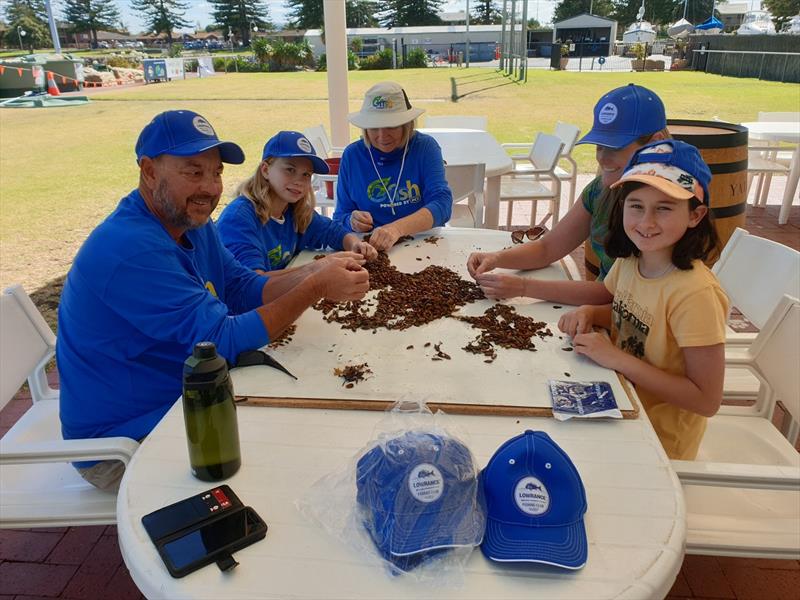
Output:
x=535 y=504
x=292 y=144
x=624 y=115
x=183 y=133
x=417 y=493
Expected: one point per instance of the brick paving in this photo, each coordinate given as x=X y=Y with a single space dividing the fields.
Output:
x=84 y=563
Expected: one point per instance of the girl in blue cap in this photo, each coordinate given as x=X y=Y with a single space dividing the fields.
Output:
x=625 y=119
x=665 y=309
x=258 y=227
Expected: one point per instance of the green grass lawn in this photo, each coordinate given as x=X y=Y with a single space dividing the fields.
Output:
x=63 y=170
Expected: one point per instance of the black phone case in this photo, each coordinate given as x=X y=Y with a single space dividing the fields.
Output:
x=258 y=532
x=192 y=514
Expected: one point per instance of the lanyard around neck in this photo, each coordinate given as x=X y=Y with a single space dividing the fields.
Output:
x=399 y=175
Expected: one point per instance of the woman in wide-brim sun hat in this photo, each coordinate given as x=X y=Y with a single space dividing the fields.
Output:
x=391 y=181
x=625 y=119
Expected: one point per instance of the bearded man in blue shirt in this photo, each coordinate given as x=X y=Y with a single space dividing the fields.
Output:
x=153 y=279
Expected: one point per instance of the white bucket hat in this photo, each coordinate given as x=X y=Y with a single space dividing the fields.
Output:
x=385 y=105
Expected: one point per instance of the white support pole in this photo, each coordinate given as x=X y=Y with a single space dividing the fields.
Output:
x=336 y=54
x=53 y=28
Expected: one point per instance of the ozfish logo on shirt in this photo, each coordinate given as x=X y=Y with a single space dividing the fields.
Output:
x=210 y=287
x=408 y=194
x=277 y=257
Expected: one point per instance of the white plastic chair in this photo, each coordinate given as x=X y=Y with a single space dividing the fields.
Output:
x=38 y=485
x=537 y=183
x=766 y=158
x=755 y=273
x=568 y=134
x=743 y=491
x=457 y=122
x=466 y=182
x=323 y=148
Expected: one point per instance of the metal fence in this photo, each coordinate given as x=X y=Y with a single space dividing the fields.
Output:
x=774 y=66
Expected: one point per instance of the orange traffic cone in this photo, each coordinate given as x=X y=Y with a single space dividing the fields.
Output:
x=52 y=88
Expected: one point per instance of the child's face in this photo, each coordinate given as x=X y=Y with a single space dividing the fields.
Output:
x=289 y=178
x=613 y=161
x=654 y=221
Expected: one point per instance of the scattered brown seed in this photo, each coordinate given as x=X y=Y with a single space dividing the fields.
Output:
x=284 y=338
x=352 y=374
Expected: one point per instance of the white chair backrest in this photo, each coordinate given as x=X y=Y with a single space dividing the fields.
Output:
x=755 y=273
x=568 y=134
x=319 y=139
x=776 y=353
x=779 y=116
x=545 y=151
x=26 y=341
x=457 y=122
x=465 y=180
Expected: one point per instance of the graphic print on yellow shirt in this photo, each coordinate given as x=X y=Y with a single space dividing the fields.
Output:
x=632 y=322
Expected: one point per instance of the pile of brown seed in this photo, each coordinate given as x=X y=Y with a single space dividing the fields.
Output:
x=352 y=374
x=284 y=338
x=404 y=300
x=501 y=325
x=432 y=240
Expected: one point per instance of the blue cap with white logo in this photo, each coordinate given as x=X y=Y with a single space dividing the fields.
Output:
x=535 y=504
x=418 y=492
x=625 y=114
x=183 y=133
x=292 y=144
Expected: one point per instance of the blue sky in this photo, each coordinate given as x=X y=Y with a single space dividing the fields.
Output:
x=200 y=11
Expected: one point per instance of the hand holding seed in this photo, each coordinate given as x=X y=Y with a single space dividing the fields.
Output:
x=577 y=321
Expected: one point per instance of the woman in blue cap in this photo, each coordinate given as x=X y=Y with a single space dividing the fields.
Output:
x=625 y=119
x=259 y=227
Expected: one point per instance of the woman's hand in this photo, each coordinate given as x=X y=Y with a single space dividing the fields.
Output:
x=384 y=237
x=481 y=262
x=361 y=221
x=577 y=321
x=496 y=285
x=598 y=347
x=365 y=249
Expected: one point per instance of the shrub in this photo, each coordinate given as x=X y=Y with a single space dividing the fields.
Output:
x=175 y=50
x=416 y=58
x=352 y=62
x=380 y=60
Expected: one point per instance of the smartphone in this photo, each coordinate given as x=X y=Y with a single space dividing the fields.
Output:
x=211 y=540
x=190 y=511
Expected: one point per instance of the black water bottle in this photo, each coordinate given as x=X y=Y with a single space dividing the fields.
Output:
x=212 y=431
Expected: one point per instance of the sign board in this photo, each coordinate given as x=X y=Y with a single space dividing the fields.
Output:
x=155 y=69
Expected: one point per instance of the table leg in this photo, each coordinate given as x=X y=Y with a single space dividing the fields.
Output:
x=492 y=203
x=791 y=187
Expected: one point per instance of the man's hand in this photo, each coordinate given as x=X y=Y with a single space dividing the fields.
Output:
x=342 y=279
x=577 y=321
x=481 y=262
x=361 y=221
x=495 y=285
x=599 y=348
x=384 y=237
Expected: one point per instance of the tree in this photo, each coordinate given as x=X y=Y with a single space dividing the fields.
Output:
x=485 y=12
x=782 y=10
x=162 y=16
x=406 y=13
x=309 y=14
x=572 y=8
x=29 y=16
x=91 y=15
x=240 y=17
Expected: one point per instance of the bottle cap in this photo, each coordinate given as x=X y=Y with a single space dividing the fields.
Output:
x=205 y=350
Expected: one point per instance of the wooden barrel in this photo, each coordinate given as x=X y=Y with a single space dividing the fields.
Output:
x=724 y=148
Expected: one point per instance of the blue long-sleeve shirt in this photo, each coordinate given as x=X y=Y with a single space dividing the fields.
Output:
x=134 y=305
x=422 y=183
x=272 y=245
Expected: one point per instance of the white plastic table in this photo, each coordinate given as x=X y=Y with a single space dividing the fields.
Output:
x=781 y=131
x=635 y=520
x=468 y=146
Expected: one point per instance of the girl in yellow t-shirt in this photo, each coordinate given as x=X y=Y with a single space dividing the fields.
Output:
x=666 y=310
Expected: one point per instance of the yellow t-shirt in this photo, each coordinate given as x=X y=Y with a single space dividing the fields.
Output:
x=653 y=319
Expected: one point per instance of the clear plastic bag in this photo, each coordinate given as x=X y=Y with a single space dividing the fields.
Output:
x=409 y=500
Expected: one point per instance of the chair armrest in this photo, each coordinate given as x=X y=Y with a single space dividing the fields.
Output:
x=321 y=177
x=768 y=477
x=337 y=150
x=516 y=145
x=113 y=448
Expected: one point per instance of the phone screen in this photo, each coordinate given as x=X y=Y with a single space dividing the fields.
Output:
x=196 y=545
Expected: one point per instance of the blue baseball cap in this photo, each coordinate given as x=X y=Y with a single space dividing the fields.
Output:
x=535 y=504
x=418 y=493
x=183 y=133
x=671 y=166
x=290 y=144
x=625 y=114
